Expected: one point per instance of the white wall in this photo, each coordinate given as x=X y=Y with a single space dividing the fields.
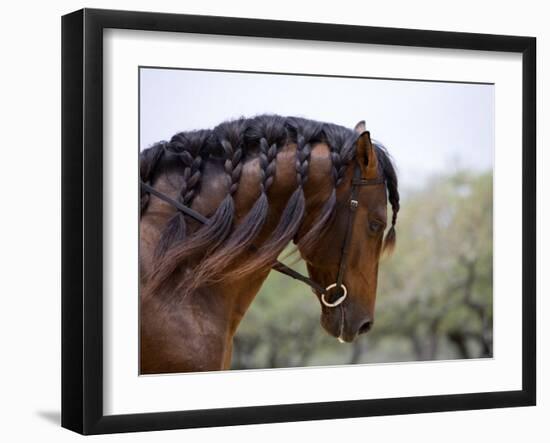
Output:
x=30 y=234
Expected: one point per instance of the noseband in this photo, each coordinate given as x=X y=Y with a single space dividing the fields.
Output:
x=281 y=267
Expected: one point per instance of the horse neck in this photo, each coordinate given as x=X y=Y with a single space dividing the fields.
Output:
x=195 y=334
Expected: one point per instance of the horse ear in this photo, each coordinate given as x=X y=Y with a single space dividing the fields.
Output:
x=366 y=155
x=361 y=127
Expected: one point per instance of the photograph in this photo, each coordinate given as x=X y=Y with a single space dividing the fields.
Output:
x=291 y=220
x=296 y=219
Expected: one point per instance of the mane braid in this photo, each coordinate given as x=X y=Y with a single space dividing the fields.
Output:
x=393 y=195
x=148 y=162
x=304 y=132
x=207 y=238
x=187 y=149
x=340 y=141
x=268 y=134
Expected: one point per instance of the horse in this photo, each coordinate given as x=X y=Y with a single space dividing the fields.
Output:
x=218 y=206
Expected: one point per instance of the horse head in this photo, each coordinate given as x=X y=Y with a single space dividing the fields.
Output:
x=346 y=257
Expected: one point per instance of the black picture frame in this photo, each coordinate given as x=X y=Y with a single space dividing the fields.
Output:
x=82 y=218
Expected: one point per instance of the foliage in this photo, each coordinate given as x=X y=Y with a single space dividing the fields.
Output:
x=434 y=294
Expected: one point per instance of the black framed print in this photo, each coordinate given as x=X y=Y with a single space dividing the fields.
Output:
x=269 y=221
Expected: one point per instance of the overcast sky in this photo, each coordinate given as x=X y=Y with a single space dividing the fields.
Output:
x=428 y=127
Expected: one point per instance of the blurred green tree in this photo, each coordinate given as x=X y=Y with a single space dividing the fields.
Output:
x=434 y=296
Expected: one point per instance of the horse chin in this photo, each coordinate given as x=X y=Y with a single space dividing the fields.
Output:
x=334 y=324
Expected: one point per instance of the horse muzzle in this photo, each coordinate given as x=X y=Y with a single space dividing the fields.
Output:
x=345 y=323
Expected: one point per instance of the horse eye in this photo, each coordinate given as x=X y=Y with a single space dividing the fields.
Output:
x=375 y=226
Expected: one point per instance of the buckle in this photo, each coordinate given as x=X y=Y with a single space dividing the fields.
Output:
x=353 y=204
x=337 y=301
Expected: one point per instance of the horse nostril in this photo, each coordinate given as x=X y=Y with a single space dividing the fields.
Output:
x=365 y=327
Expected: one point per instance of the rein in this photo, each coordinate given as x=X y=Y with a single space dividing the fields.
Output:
x=281 y=267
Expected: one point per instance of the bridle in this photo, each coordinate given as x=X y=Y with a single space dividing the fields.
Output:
x=353 y=203
x=339 y=286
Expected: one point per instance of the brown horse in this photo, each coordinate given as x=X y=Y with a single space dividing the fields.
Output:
x=260 y=183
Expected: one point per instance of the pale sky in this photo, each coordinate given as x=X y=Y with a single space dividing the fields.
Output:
x=427 y=127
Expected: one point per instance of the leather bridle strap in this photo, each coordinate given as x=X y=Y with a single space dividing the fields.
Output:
x=176 y=204
x=284 y=269
x=339 y=285
x=353 y=205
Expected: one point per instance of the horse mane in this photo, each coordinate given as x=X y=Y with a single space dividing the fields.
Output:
x=234 y=142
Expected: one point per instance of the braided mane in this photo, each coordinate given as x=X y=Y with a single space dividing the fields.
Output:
x=235 y=142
